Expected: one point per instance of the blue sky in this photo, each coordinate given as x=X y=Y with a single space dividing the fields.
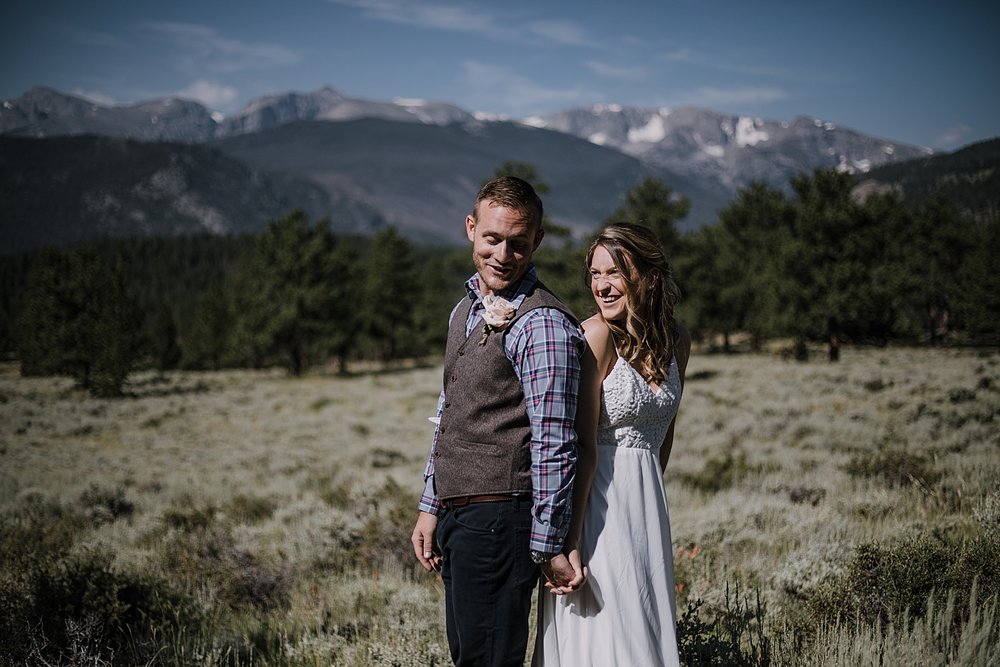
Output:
x=920 y=72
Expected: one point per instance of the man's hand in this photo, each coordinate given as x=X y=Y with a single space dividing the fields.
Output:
x=563 y=574
x=424 y=544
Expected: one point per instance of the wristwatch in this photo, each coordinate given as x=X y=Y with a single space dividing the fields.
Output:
x=541 y=557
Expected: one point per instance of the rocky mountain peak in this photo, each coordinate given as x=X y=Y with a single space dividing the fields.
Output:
x=729 y=149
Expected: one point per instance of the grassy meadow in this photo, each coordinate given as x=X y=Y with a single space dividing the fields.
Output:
x=822 y=514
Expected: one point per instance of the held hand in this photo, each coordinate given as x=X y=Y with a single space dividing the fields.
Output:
x=577 y=578
x=424 y=544
x=562 y=576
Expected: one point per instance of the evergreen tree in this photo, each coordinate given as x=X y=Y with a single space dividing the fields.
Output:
x=205 y=343
x=80 y=319
x=388 y=290
x=162 y=339
x=830 y=262
x=730 y=275
x=341 y=309
x=941 y=242
x=527 y=172
x=977 y=294
x=652 y=203
x=439 y=285
x=283 y=296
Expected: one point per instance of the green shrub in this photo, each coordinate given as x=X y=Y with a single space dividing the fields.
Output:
x=252 y=509
x=894 y=467
x=735 y=636
x=103 y=505
x=82 y=610
x=886 y=581
x=720 y=473
x=36 y=530
x=987 y=513
x=208 y=558
x=385 y=536
x=187 y=516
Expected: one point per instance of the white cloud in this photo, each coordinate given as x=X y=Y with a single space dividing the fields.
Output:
x=203 y=48
x=739 y=66
x=709 y=96
x=616 y=72
x=561 y=32
x=212 y=94
x=425 y=15
x=461 y=18
x=497 y=89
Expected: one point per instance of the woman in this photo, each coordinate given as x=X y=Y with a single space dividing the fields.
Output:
x=625 y=612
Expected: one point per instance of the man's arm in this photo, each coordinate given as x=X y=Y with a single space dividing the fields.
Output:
x=422 y=539
x=545 y=350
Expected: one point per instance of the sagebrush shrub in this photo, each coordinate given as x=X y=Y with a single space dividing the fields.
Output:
x=893 y=466
x=887 y=580
x=119 y=614
x=720 y=473
x=104 y=505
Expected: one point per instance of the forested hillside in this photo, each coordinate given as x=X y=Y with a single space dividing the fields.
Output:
x=969 y=178
x=819 y=265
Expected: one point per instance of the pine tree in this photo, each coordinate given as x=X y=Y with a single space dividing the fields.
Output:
x=388 y=291
x=652 y=203
x=80 y=319
x=291 y=298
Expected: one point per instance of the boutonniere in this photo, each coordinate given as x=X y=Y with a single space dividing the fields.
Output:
x=497 y=314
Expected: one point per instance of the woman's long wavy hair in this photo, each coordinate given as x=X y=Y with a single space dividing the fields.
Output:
x=646 y=338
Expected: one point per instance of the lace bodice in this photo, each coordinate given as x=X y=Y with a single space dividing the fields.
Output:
x=632 y=414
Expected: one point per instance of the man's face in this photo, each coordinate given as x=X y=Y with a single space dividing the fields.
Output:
x=502 y=244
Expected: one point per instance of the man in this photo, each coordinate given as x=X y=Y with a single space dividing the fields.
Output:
x=498 y=485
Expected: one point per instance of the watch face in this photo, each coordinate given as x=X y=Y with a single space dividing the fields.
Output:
x=540 y=557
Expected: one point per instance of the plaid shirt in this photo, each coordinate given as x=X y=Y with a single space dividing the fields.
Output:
x=544 y=347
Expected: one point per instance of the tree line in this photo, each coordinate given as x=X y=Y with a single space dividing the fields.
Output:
x=816 y=264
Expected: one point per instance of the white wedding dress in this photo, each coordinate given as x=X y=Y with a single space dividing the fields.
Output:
x=625 y=613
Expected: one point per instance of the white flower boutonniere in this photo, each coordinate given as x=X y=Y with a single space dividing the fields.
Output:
x=497 y=314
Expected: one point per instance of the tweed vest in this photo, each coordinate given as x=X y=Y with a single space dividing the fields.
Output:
x=484 y=438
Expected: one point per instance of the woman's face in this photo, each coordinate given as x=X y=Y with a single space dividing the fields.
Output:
x=607 y=285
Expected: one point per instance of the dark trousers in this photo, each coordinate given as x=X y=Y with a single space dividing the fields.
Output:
x=488 y=579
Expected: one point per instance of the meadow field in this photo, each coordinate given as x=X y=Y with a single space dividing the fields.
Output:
x=822 y=514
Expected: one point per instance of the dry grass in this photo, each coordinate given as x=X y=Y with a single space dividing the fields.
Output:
x=793 y=431
x=305 y=488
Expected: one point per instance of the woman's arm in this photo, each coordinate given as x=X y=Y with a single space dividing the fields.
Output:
x=597 y=361
x=682 y=352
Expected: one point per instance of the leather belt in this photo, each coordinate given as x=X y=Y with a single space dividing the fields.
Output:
x=461 y=501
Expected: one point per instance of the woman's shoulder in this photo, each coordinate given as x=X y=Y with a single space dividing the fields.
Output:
x=599 y=338
x=596 y=330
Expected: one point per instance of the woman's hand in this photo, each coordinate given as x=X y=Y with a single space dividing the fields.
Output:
x=580 y=573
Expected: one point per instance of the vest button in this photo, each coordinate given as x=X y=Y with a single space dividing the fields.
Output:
x=454 y=378
x=442 y=429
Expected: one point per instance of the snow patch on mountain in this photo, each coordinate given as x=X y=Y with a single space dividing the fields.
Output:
x=714 y=150
x=747 y=132
x=652 y=132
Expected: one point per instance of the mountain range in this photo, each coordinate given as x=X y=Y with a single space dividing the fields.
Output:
x=170 y=165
